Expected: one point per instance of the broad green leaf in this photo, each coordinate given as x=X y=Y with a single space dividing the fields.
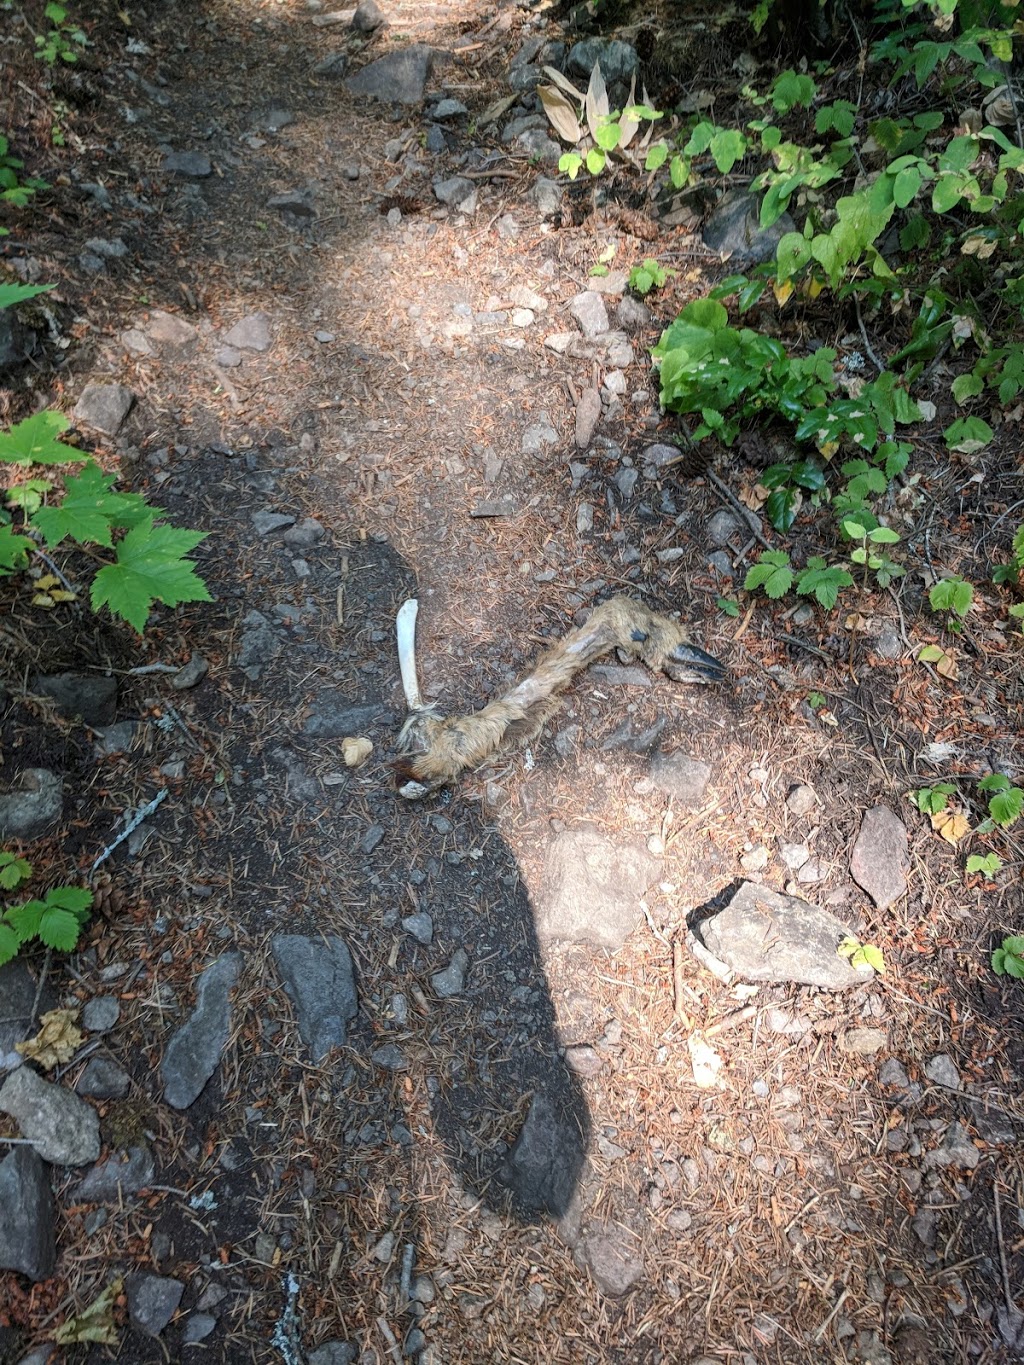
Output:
x=569 y=164
x=872 y=955
x=24 y=919
x=14 y=550
x=951 y=594
x=89 y=510
x=823 y=581
x=968 y=434
x=728 y=606
x=1006 y=807
x=59 y=929
x=967 y=386
x=792 y=254
x=11 y=294
x=9 y=943
x=34 y=441
x=771 y=572
x=608 y=136
x=906 y=186
x=994 y=782
x=595 y=161
x=727 y=147
x=989 y=863
x=13 y=871
x=657 y=155
x=151 y=567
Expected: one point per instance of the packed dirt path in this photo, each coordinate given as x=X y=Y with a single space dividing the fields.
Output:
x=387 y=423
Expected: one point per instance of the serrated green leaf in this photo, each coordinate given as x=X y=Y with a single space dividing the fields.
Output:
x=151 y=567
x=989 y=863
x=11 y=294
x=728 y=606
x=1005 y=808
x=824 y=582
x=14 y=550
x=76 y=899
x=967 y=386
x=994 y=782
x=10 y=944
x=772 y=573
x=89 y=510
x=59 y=929
x=968 y=434
x=13 y=871
x=34 y=441
x=24 y=919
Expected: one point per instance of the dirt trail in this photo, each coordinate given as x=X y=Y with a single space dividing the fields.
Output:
x=776 y=1217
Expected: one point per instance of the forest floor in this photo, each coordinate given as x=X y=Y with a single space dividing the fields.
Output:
x=851 y=1186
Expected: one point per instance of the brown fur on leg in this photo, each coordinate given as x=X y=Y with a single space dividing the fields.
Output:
x=439 y=750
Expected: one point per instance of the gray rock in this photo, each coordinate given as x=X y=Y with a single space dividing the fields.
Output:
x=592 y=887
x=62 y=1128
x=296 y=203
x=812 y=871
x=618 y=60
x=103 y=1080
x=390 y=1057
x=734 y=230
x=34 y=807
x=887 y=643
x=305 y=535
x=435 y=142
x=193 y=672
x=765 y=936
x=121 y=1174
x=755 y=859
x=334 y=716
x=583 y=1060
x=615 y=1268
x=681 y=777
x=448 y=108
x=585 y=517
x=543 y=1165
x=588 y=414
x=334 y=1353
x=265 y=522
x=398 y=77
x=721 y=563
x=251 y=333
x=103 y=407
x=656 y=457
x=453 y=190
x=893 y=1073
x=371 y=838
x=17 y=342
x=794 y=855
x=228 y=358
x=801 y=799
x=27 y=1242
x=192 y=165
x=319 y=979
x=87 y=695
x=536 y=143
x=450 y=982
x=421 y=927
x=722 y=527
x=957 y=1149
x=111 y=249
x=880 y=856
x=525 y=78
x=335 y=64
x=942 y=1071
x=632 y=315
x=260 y=645
x=18 y=989
x=114 y=739
x=368 y=17
x=277 y=119
x=864 y=1042
x=192 y=1055
x=546 y=195
x=589 y=311
x=170 y=330
x=538 y=436
x=152 y=1301
x=198 y=1326
x=101 y=1013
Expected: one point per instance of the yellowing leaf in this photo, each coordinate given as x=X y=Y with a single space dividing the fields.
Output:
x=56 y=1042
x=96 y=1323
x=783 y=292
x=951 y=824
x=42 y=599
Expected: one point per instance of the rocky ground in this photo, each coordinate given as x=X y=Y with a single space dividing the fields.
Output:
x=561 y=1065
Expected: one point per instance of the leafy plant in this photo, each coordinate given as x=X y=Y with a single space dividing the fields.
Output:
x=150 y=563
x=1006 y=802
x=55 y=921
x=862 y=955
x=650 y=275
x=953 y=595
x=61 y=43
x=772 y=572
x=587 y=121
x=16 y=191
x=867 y=552
x=989 y=863
x=1011 y=572
x=931 y=800
x=1008 y=958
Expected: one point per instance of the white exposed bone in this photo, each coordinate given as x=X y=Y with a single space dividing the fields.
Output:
x=405 y=626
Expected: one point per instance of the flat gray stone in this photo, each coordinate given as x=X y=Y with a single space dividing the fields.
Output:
x=103 y=1079
x=192 y=1055
x=592 y=887
x=334 y=1353
x=191 y=165
x=335 y=716
x=956 y=1149
x=305 y=535
x=542 y=1168
x=319 y=979
x=448 y=108
x=62 y=1128
x=198 y=1326
x=193 y=672
x=277 y=119
x=588 y=414
x=399 y=77
x=455 y=190
x=421 y=927
x=734 y=230
x=152 y=1301
x=590 y=313
x=27 y=1242
x=390 y=1057
x=538 y=436
x=259 y=646
x=103 y=407
x=335 y=64
x=618 y=60
x=228 y=358
x=101 y=1013
x=942 y=1070
x=546 y=195
x=864 y=1042
x=449 y=982
x=121 y=1174
x=765 y=936
x=114 y=739
x=615 y=1268
x=656 y=457
x=251 y=333
x=683 y=778
x=632 y=315
x=801 y=799
x=170 y=330
x=298 y=203
x=881 y=857
x=265 y=522
x=85 y=695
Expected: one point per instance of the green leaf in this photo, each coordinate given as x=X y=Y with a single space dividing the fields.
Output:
x=823 y=581
x=727 y=147
x=989 y=863
x=792 y=254
x=870 y=955
x=596 y=161
x=151 y=567
x=88 y=511
x=968 y=434
x=657 y=155
x=11 y=294
x=34 y=441
x=59 y=929
x=569 y=164
x=951 y=594
x=24 y=919
x=967 y=386
x=994 y=782
x=782 y=507
x=14 y=550
x=608 y=136
x=837 y=117
x=1005 y=808
x=9 y=943
x=906 y=186
x=771 y=572
x=13 y=871
x=728 y=606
